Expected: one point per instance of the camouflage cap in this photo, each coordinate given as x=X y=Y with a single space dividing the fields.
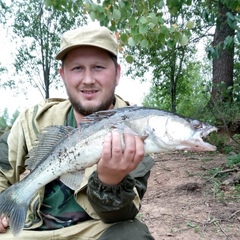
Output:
x=95 y=36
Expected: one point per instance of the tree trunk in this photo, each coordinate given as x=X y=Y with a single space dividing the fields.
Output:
x=223 y=64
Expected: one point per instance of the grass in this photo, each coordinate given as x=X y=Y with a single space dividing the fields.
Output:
x=217 y=176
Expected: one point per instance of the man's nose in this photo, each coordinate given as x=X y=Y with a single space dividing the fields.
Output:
x=88 y=77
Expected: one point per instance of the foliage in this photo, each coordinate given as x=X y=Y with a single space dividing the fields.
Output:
x=226 y=17
x=37 y=31
x=192 y=89
x=2 y=69
x=225 y=180
x=141 y=22
x=14 y=117
x=221 y=142
x=233 y=160
x=7 y=121
x=3 y=119
x=145 y=23
x=210 y=14
x=159 y=38
x=156 y=37
x=3 y=12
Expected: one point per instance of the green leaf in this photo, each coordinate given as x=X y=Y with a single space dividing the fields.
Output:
x=124 y=13
x=229 y=15
x=143 y=29
x=153 y=18
x=138 y=38
x=134 y=31
x=124 y=37
x=190 y=24
x=131 y=42
x=121 y=4
x=144 y=43
x=184 y=40
x=151 y=25
x=160 y=20
x=177 y=36
x=129 y=59
x=231 y=23
x=172 y=29
x=116 y=14
x=171 y=43
x=48 y=3
x=92 y=16
x=228 y=42
x=238 y=36
x=161 y=3
x=94 y=6
x=132 y=21
x=143 y=20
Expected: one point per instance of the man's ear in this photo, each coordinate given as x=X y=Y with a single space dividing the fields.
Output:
x=118 y=74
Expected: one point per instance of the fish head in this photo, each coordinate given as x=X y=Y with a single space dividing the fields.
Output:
x=179 y=133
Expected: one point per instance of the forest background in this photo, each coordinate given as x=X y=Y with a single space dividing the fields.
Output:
x=187 y=50
x=187 y=55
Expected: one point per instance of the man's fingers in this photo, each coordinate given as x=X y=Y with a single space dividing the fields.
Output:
x=5 y=222
x=130 y=147
x=116 y=145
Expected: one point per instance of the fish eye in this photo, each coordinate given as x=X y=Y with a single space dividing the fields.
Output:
x=197 y=124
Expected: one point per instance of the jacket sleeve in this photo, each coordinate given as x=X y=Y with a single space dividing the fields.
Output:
x=118 y=203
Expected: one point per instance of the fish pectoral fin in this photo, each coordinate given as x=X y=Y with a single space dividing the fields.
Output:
x=72 y=180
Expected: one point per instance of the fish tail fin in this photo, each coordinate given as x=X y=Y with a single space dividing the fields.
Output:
x=14 y=209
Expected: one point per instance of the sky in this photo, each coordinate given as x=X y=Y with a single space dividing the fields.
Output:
x=129 y=89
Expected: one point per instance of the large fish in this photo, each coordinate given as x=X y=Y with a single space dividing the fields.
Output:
x=63 y=151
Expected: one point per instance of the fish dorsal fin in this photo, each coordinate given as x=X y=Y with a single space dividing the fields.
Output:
x=73 y=180
x=95 y=117
x=47 y=139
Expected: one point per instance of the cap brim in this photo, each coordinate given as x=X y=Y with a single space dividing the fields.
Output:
x=62 y=53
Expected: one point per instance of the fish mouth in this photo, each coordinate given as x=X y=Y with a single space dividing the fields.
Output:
x=197 y=143
x=205 y=132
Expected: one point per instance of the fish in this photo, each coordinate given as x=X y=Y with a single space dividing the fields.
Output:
x=64 y=152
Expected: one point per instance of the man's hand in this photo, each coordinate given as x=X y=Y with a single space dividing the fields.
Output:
x=116 y=163
x=4 y=223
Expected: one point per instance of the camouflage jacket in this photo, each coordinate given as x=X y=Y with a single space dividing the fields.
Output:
x=108 y=203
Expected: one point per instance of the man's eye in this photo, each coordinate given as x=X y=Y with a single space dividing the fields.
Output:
x=77 y=68
x=98 y=67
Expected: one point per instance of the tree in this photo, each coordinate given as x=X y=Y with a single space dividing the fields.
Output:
x=144 y=25
x=4 y=119
x=141 y=23
x=167 y=62
x=37 y=30
x=156 y=32
x=193 y=89
x=14 y=117
x=3 y=12
x=222 y=49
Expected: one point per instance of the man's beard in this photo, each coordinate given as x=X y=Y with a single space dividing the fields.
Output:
x=86 y=110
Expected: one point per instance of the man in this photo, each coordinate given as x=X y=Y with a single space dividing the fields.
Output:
x=105 y=207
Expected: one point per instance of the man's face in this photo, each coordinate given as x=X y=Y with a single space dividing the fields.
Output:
x=90 y=77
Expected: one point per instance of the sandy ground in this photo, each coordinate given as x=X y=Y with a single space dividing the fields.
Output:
x=181 y=203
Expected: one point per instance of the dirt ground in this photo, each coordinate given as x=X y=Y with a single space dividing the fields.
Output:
x=181 y=203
